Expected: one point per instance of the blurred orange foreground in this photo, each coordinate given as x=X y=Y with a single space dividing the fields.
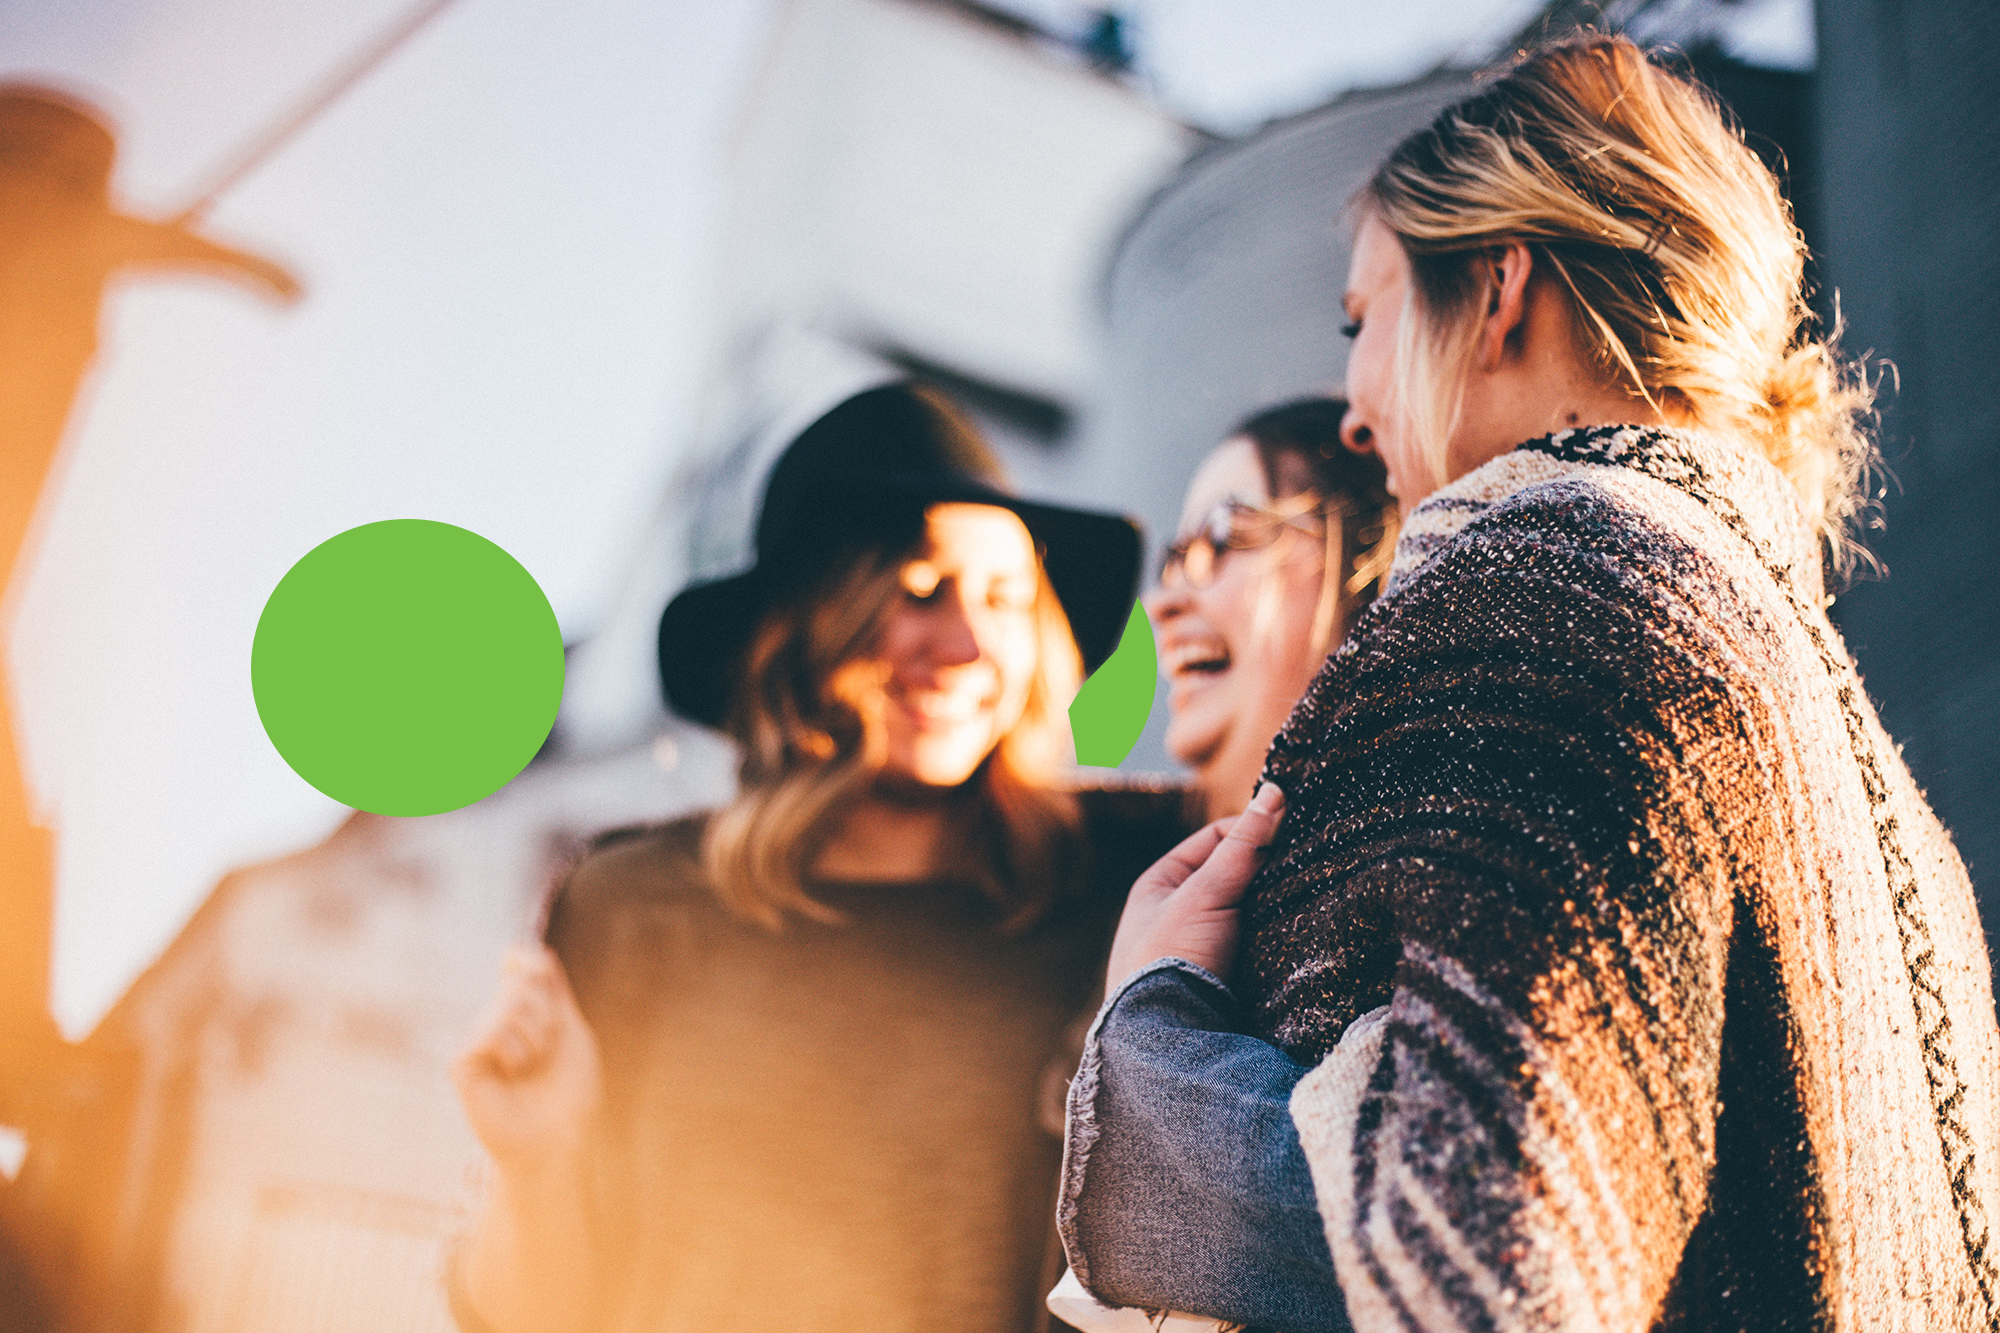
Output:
x=60 y=243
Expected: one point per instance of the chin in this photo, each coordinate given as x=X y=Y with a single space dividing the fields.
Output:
x=1192 y=743
x=940 y=763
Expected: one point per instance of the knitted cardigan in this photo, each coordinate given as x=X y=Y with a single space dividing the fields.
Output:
x=1644 y=989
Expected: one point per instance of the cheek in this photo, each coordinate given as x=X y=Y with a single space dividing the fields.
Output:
x=1018 y=661
x=1367 y=373
x=1229 y=605
x=1285 y=603
x=1299 y=661
x=900 y=640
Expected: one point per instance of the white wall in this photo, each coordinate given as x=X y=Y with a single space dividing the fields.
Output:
x=507 y=235
x=903 y=177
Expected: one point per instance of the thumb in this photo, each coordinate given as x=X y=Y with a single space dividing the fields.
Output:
x=1220 y=881
x=1258 y=823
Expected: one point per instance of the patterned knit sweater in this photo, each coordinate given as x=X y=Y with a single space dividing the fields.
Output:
x=1645 y=991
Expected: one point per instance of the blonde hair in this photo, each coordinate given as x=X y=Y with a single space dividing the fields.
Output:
x=808 y=717
x=1671 y=240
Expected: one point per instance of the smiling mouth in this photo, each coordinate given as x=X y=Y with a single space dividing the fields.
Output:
x=1195 y=659
x=941 y=711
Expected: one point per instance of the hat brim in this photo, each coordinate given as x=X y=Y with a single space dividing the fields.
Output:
x=1091 y=559
x=145 y=243
x=704 y=633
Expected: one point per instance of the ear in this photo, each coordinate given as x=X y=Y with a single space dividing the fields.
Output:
x=1509 y=267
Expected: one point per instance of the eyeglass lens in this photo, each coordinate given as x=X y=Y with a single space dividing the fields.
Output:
x=1230 y=526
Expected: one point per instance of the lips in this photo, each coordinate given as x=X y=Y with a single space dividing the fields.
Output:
x=941 y=709
x=1197 y=657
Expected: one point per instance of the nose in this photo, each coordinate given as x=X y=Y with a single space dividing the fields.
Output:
x=1163 y=603
x=953 y=639
x=1355 y=435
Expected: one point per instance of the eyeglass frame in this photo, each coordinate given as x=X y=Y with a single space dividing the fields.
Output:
x=1306 y=504
x=1174 y=564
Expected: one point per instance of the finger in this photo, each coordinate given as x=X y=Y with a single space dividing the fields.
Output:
x=538 y=995
x=1258 y=823
x=533 y=1032
x=504 y=1049
x=1220 y=881
x=539 y=963
x=496 y=1053
x=512 y=1053
x=1170 y=871
x=529 y=960
x=498 y=1016
x=505 y=1035
x=560 y=990
x=547 y=1016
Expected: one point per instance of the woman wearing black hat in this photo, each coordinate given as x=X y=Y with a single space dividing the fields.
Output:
x=794 y=1064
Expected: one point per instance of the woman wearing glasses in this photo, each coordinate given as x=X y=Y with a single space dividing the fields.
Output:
x=1284 y=536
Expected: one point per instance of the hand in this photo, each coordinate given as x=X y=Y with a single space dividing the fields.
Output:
x=531 y=1081
x=1185 y=906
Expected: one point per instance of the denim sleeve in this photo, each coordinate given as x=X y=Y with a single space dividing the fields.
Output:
x=1184 y=1186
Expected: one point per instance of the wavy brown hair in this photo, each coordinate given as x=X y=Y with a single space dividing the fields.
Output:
x=1672 y=241
x=807 y=716
x=1300 y=452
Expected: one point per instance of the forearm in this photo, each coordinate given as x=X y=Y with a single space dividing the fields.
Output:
x=1483 y=1158
x=531 y=1262
x=1184 y=1184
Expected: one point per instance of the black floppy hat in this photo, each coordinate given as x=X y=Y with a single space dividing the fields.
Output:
x=861 y=477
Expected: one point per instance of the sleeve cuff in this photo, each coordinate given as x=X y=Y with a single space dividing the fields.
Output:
x=1193 y=996
x=1199 y=1197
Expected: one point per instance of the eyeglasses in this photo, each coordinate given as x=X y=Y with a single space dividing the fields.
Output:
x=1196 y=559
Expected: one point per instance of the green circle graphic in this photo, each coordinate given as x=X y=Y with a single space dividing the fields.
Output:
x=407 y=667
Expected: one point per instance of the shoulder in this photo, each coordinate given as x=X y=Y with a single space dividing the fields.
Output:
x=1603 y=550
x=1128 y=826
x=1602 y=515
x=1583 y=622
x=635 y=894
x=1128 y=801
x=1550 y=593
x=1674 y=511
x=638 y=864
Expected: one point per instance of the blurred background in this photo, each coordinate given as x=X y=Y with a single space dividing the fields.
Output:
x=573 y=273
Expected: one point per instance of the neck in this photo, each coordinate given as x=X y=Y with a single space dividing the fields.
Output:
x=887 y=836
x=1534 y=411
x=1229 y=777
x=1535 y=382
x=1597 y=405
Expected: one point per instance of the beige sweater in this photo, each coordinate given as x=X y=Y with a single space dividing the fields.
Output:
x=842 y=1126
x=1645 y=989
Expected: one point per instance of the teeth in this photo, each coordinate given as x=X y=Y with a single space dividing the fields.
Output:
x=942 y=707
x=1194 y=657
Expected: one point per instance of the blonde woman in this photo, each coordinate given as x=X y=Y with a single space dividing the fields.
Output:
x=788 y=1066
x=1285 y=535
x=1608 y=971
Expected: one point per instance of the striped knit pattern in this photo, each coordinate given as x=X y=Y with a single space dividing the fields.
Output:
x=1679 y=1014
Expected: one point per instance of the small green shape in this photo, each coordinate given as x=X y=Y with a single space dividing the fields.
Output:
x=1110 y=710
x=407 y=667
